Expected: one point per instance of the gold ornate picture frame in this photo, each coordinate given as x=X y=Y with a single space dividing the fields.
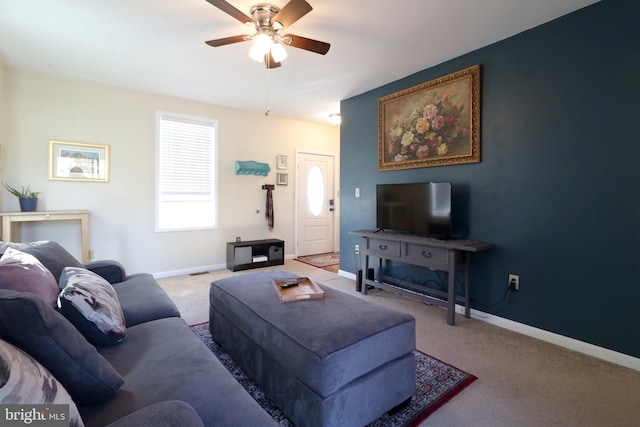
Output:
x=78 y=161
x=435 y=123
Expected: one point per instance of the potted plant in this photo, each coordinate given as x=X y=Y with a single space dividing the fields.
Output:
x=28 y=199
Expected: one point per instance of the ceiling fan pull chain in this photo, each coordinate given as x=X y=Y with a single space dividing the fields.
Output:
x=266 y=107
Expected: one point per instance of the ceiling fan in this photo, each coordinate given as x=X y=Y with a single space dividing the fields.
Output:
x=268 y=21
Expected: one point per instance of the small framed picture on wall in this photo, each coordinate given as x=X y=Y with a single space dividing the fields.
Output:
x=282 y=179
x=281 y=162
x=78 y=161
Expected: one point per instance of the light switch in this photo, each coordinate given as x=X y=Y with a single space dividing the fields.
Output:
x=357 y=191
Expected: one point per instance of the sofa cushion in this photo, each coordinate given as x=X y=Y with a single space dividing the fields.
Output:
x=164 y=360
x=30 y=324
x=92 y=305
x=24 y=381
x=22 y=272
x=51 y=254
x=143 y=300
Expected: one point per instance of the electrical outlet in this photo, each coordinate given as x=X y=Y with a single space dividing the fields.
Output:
x=357 y=250
x=514 y=282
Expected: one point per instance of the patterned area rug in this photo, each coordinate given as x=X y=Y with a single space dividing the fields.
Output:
x=436 y=383
x=329 y=262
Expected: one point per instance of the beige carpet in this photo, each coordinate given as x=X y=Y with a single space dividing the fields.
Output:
x=521 y=381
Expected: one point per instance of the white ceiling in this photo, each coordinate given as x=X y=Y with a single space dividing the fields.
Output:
x=158 y=45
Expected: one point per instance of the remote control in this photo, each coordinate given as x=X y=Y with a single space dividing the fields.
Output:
x=288 y=285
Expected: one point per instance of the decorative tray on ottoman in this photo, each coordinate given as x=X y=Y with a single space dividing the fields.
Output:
x=297 y=289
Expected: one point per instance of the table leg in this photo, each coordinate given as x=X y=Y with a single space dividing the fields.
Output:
x=451 y=290
x=84 y=236
x=467 y=286
x=6 y=229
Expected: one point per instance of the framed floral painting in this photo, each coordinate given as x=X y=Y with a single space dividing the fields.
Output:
x=432 y=124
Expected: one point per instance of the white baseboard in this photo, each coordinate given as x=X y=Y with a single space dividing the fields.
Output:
x=347 y=274
x=199 y=269
x=551 y=337
x=561 y=340
x=186 y=271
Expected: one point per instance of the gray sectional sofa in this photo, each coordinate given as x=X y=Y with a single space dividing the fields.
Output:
x=159 y=374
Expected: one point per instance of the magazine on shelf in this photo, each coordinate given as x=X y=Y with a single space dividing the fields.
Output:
x=291 y=289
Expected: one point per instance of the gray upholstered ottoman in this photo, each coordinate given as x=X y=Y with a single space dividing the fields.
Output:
x=338 y=361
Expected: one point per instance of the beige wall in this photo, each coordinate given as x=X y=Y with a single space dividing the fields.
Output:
x=38 y=108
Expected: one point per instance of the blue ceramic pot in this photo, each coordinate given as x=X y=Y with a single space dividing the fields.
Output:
x=28 y=204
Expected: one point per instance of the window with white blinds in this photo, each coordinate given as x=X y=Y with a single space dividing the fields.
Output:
x=186 y=173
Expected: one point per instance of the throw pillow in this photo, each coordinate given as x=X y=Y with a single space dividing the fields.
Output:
x=24 y=381
x=91 y=304
x=53 y=256
x=22 y=272
x=28 y=323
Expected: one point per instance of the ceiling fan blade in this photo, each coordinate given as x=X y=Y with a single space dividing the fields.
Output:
x=231 y=10
x=269 y=62
x=226 y=41
x=291 y=12
x=308 y=44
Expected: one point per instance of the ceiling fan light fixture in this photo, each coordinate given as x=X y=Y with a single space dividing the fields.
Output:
x=278 y=52
x=261 y=46
x=269 y=45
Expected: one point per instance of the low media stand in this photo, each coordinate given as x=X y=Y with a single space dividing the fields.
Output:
x=254 y=254
x=435 y=254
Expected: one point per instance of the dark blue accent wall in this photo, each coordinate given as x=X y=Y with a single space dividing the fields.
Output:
x=558 y=186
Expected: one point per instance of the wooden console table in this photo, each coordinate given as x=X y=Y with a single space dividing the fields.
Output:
x=11 y=219
x=442 y=255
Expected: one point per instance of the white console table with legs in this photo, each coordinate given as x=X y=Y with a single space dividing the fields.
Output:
x=442 y=255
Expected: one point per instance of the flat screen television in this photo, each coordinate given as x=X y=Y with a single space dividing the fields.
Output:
x=418 y=208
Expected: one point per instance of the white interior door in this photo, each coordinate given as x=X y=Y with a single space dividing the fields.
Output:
x=315 y=204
